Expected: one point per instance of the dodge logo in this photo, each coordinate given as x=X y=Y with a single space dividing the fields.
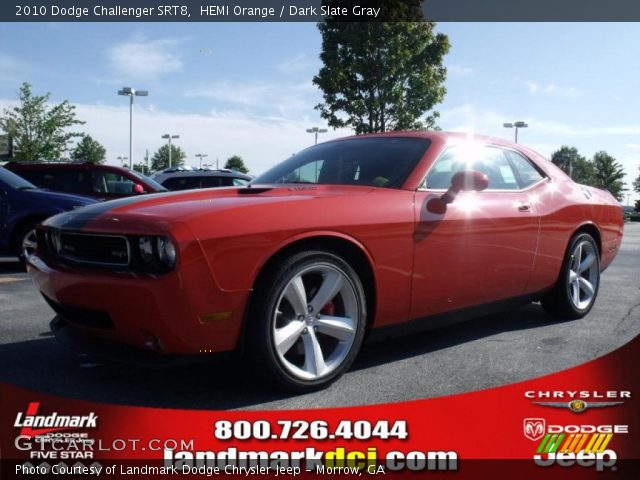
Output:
x=534 y=428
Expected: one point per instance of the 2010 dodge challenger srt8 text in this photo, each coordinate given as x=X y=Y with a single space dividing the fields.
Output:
x=347 y=237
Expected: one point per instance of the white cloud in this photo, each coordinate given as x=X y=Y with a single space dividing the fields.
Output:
x=260 y=141
x=633 y=146
x=299 y=63
x=553 y=89
x=290 y=101
x=458 y=70
x=532 y=86
x=142 y=58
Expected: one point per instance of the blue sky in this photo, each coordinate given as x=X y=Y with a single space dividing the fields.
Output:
x=230 y=88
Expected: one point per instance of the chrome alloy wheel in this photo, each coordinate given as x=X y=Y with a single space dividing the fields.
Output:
x=29 y=243
x=583 y=275
x=315 y=321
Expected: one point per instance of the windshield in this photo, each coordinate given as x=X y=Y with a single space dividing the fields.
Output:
x=149 y=181
x=14 y=181
x=372 y=161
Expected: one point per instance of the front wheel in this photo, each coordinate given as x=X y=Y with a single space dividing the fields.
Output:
x=577 y=287
x=25 y=241
x=307 y=324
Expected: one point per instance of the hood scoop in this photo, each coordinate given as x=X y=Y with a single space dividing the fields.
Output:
x=253 y=190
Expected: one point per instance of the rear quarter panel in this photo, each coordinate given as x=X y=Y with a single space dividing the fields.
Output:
x=564 y=208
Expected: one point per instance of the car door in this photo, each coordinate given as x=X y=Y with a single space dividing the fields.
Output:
x=7 y=208
x=482 y=248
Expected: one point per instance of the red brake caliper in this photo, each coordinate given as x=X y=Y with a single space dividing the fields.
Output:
x=329 y=309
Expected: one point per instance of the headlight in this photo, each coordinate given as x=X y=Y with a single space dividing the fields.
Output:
x=166 y=251
x=154 y=254
x=145 y=245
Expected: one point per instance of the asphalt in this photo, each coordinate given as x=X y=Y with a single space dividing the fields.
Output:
x=495 y=350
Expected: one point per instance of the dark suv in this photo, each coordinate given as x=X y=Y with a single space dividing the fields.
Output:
x=103 y=182
x=181 y=179
x=23 y=206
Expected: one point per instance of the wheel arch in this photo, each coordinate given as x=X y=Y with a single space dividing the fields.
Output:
x=352 y=251
x=31 y=218
x=592 y=230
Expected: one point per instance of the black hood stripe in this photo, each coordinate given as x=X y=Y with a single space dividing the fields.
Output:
x=77 y=219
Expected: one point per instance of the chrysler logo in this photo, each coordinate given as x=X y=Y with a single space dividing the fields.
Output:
x=534 y=428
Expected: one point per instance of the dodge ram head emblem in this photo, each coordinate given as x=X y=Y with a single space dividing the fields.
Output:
x=534 y=428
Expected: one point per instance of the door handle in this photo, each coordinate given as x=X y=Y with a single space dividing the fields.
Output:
x=524 y=207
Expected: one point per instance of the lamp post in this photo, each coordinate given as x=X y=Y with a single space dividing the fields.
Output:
x=201 y=156
x=316 y=131
x=516 y=125
x=131 y=92
x=169 y=137
x=122 y=160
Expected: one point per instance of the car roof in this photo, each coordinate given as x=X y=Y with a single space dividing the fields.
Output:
x=66 y=165
x=204 y=173
x=431 y=135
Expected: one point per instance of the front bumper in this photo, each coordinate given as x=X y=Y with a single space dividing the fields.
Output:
x=182 y=312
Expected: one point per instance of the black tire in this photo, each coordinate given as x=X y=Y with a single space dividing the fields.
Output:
x=561 y=303
x=21 y=234
x=287 y=367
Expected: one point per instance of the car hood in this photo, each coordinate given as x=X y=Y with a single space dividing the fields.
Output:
x=163 y=211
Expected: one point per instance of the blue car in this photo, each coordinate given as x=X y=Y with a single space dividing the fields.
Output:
x=23 y=206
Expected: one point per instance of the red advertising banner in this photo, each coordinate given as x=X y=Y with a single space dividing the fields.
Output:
x=578 y=423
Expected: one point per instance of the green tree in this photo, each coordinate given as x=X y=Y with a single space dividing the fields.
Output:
x=608 y=174
x=39 y=130
x=142 y=168
x=573 y=164
x=236 y=163
x=380 y=76
x=637 y=206
x=636 y=184
x=160 y=159
x=89 y=150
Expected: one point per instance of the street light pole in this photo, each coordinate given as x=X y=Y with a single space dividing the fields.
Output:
x=201 y=156
x=122 y=159
x=169 y=137
x=516 y=125
x=131 y=92
x=316 y=131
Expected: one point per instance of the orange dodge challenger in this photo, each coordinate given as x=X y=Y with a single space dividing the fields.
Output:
x=346 y=238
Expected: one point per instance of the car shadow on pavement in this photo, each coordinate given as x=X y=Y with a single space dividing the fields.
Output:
x=221 y=383
x=398 y=348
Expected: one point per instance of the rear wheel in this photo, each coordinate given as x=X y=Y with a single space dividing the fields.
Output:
x=307 y=323
x=577 y=287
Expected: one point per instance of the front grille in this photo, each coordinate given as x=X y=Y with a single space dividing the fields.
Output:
x=82 y=316
x=94 y=249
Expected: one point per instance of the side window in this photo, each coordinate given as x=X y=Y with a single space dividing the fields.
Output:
x=110 y=182
x=498 y=170
x=527 y=173
x=172 y=183
x=488 y=160
x=68 y=180
x=449 y=163
x=239 y=182
x=210 y=182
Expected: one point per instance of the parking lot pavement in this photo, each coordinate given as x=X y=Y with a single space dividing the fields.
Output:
x=486 y=352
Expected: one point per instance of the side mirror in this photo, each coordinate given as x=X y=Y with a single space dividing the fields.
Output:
x=464 y=181
x=137 y=188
